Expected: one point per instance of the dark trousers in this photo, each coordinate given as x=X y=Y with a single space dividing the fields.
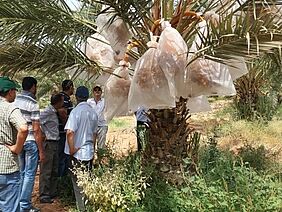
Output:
x=63 y=158
x=79 y=196
x=48 y=179
x=142 y=131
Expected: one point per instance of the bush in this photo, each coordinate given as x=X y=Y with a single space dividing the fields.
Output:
x=223 y=184
x=255 y=157
x=114 y=187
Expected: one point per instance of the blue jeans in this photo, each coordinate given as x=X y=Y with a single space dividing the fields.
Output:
x=10 y=192
x=28 y=165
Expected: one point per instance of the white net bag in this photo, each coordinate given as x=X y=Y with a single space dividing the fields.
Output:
x=237 y=67
x=172 y=58
x=149 y=87
x=116 y=92
x=116 y=33
x=198 y=104
x=206 y=77
x=98 y=49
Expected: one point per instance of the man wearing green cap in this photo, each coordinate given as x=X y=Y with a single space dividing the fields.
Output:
x=13 y=132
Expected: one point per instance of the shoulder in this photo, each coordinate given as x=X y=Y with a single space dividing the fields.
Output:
x=26 y=98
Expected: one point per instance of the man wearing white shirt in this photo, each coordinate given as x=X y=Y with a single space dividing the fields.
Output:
x=98 y=104
x=81 y=130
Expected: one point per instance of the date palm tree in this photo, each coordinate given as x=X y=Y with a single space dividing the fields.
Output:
x=48 y=36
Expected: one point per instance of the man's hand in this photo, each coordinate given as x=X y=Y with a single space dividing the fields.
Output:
x=73 y=150
x=41 y=156
x=13 y=149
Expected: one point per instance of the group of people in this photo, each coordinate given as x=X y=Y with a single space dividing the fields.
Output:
x=60 y=137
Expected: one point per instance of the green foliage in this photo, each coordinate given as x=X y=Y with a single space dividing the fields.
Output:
x=119 y=123
x=65 y=190
x=223 y=184
x=252 y=192
x=259 y=91
x=262 y=108
x=117 y=186
x=255 y=157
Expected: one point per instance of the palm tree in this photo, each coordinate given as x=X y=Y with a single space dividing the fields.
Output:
x=48 y=36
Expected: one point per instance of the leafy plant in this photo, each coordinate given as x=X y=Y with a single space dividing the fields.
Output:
x=116 y=186
x=255 y=157
x=258 y=92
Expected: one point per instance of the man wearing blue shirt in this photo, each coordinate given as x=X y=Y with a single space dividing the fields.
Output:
x=81 y=130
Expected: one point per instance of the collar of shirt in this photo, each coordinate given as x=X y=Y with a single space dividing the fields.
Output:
x=65 y=95
x=83 y=103
x=51 y=107
x=28 y=93
x=3 y=99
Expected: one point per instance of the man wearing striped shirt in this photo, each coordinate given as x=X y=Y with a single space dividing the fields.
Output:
x=13 y=132
x=29 y=107
x=48 y=178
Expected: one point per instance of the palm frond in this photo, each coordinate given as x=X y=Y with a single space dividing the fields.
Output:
x=39 y=21
x=15 y=57
x=247 y=34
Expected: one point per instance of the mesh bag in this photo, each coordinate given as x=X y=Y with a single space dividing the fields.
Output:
x=116 y=33
x=198 y=104
x=116 y=92
x=206 y=77
x=172 y=58
x=149 y=86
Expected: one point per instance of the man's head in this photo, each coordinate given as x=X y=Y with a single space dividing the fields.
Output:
x=97 y=92
x=57 y=101
x=8 y=88
x=29 y=84
x=82 y=94
x=67 y=86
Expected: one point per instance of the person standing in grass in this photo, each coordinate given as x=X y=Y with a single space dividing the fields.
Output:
x=13 y=132
x=98 y=103
x=26 y=101
x=142 y=127
x=81 y=129
x=49 y=169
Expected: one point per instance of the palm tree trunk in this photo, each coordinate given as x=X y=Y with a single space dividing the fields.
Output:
x=169 y=138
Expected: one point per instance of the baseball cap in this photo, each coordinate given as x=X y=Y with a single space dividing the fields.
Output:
x=82 y=92
x=8 y=84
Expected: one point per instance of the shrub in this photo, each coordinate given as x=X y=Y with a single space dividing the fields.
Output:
x=255 y=157
x=115 y=187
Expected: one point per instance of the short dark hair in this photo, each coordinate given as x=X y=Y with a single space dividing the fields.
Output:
x=97 y=88
x=28 y=82
x=4 y=93
x=66 y=85
x=56 y=98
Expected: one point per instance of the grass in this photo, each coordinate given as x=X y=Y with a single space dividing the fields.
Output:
x=122 y=122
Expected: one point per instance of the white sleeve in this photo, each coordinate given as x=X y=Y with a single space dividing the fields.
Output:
x=72 y=122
